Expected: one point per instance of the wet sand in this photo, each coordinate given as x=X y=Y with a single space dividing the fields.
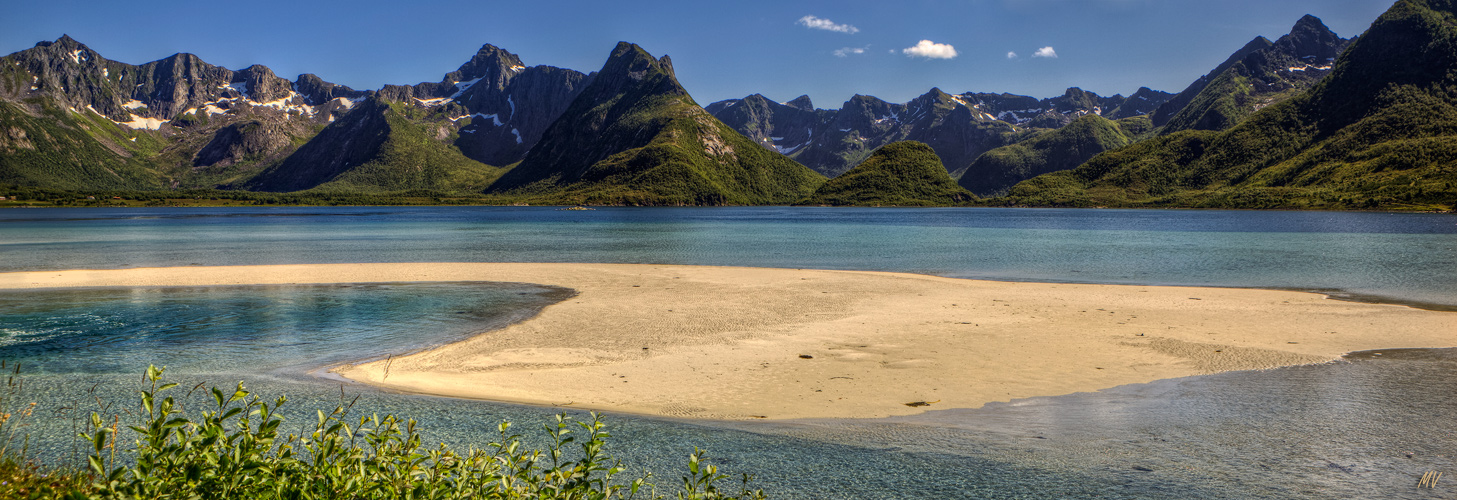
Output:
x=748 y=343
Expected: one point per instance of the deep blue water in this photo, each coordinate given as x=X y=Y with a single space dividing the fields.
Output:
x=1366 y=428
x=1395 y=256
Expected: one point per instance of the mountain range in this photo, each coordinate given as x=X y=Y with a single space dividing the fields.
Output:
x=1308 y=120
x=1379 y=131
x=959 y=127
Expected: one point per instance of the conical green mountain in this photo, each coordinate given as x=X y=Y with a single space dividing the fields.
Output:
x=1380 y=131
x=905 y=173
x=998 y=170
x=635 y=136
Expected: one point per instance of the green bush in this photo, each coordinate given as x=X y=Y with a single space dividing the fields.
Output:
x=234 y=449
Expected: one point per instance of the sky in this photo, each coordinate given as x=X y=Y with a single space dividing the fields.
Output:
x=829 y=50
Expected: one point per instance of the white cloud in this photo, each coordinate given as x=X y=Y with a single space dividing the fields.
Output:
x=1045 y=52
x=931 y=50
x=1011 y=55
x=813 y=22
x=847 y=51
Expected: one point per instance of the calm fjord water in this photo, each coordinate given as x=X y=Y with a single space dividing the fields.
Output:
x=1365 y=428
x=1407 y=257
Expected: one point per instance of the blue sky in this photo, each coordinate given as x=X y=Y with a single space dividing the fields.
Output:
x=721 y=50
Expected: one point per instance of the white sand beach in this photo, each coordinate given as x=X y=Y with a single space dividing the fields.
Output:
x=747 y=343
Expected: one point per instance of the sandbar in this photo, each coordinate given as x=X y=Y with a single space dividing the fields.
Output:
x=755 y=343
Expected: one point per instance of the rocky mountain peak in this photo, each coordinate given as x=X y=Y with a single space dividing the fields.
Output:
x=939 y=95
x=757 y=99
x=802 y=103
x=631 y=68
x=632 y=61
x=64 y=42
x=1312 y=41
x=490 y=65
x=318 y=91
x=66 y=49
x=261 y=84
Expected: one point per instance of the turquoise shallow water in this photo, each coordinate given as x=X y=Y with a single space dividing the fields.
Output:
x=1341 y=430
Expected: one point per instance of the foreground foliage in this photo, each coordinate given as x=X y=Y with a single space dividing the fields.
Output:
x=234 y=449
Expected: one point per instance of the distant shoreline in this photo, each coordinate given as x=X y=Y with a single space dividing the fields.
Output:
x=747 y=343
x=980 y=205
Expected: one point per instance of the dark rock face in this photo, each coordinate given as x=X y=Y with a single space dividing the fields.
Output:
x=585 y=134
x=238 y=142
x=801 y=103
x=350 y=141
x=528 y=103
x=1312 y=42
x=260 y=84
x=1141 y=103
x=780 y=127
x=318 y=91
x=180 y=82
x=501 y=106
x=491 y=67
x=1257 y=75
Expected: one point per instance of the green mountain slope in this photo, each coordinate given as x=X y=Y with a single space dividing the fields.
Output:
x=996 y=171
x=1380 y=131
x=379 y=146
x=45 y=145
x=1256 y=76
x=635 y=136
x=906 y=173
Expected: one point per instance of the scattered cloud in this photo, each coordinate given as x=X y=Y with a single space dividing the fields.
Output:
x=931 y=50
x=1011 y=55
x=817 y=23
x=848 y=51
x=1045 y=52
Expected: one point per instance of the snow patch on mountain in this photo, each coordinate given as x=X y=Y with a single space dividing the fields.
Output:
x=463 y=86
x=784 y=151
x=240 y=87
x=140 y=122
x=495 y=118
